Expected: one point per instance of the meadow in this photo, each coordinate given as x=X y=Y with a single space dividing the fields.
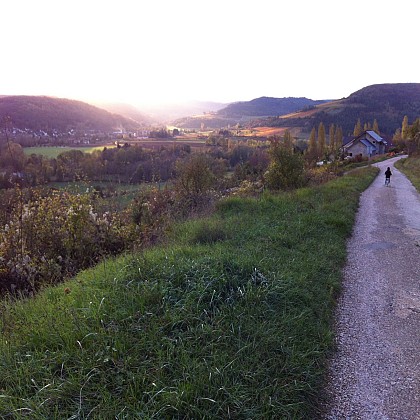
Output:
x=231 y=317
x=52 y=152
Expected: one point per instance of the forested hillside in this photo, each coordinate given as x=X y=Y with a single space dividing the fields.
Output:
x=266 y=106
x=243 y=112
x=387 y=103
x=46 y=113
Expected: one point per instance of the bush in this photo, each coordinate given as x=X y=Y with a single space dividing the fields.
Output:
x=151 y=213
x=50 y=236
x=286 y=170
x=320 y=175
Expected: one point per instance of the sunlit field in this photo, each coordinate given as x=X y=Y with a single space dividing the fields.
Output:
x=53 y=151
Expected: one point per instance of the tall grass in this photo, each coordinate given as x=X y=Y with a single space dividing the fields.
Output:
x=230 y=319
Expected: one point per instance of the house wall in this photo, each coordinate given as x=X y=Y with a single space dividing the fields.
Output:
x=380 y=146
x=357 y=148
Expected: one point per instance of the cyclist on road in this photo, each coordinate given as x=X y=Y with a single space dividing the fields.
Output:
x=388 y=174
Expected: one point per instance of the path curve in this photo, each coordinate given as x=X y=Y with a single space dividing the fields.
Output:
x=375 y=373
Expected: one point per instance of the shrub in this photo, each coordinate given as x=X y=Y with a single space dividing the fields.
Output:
x=286 y=170
x=52 y=235
x=320 y=175
x=152 y=210
x=195 y=178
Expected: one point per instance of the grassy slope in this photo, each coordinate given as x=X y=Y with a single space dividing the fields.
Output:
x=411 y=168
x=232 y=318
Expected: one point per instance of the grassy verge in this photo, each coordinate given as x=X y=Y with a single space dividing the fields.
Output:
x=231 y=319
x=411 y=168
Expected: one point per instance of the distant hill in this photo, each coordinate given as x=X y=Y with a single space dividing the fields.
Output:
x=128 y=111
x=170 y=112
x=266 y=106
x=387 y=103
x=47 y=113
x=243 y=112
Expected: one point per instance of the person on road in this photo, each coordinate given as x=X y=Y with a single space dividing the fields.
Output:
x=388 y=174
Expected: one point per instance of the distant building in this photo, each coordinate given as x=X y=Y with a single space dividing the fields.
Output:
x=367 y=144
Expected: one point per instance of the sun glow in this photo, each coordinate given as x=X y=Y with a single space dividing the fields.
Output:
x=164 y=51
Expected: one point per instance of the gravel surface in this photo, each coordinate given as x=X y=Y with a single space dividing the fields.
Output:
x=375 y=373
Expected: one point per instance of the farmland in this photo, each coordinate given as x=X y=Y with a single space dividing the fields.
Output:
x=52 y=152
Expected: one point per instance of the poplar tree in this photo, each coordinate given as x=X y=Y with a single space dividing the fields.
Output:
x=404 y=128
x=312 y=145
x=321 y=140
x=288 y=140
x=375 y=126
x=358 y=128
x=332 y=138
x=338 y=137
x=397 y=139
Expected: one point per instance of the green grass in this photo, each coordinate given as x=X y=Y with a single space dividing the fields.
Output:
x=53 y=151
x=232 y=318
x=411 y=168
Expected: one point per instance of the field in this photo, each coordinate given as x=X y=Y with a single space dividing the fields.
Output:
x=53 y=151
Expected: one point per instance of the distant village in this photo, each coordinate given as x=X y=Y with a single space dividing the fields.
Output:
x=28 y=137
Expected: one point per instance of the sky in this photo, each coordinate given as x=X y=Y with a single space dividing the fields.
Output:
x=167 y=51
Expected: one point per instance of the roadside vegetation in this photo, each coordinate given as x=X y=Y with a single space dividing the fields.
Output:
x=229 y=318
x=409 y=140
x=411 y=168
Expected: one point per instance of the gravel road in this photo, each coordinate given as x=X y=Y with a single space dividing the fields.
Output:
x=375 y=373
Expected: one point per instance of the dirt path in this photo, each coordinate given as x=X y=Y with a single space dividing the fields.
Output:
x=375 y=373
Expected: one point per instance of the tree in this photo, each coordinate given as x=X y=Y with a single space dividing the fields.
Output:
x=12 y=157
x=312 y=144
x=375 y=126
x=69 y=165
x=321 y=140
x=404 y=128
x=194 y=178
x=413 y=137
x=331 y=137
x=358 y=128
x=397 y=139
x=288 y=140
x=286 y=169
x=338 y=136
x=312 y=150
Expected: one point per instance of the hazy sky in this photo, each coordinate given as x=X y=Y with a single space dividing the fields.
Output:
x=141 y=51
